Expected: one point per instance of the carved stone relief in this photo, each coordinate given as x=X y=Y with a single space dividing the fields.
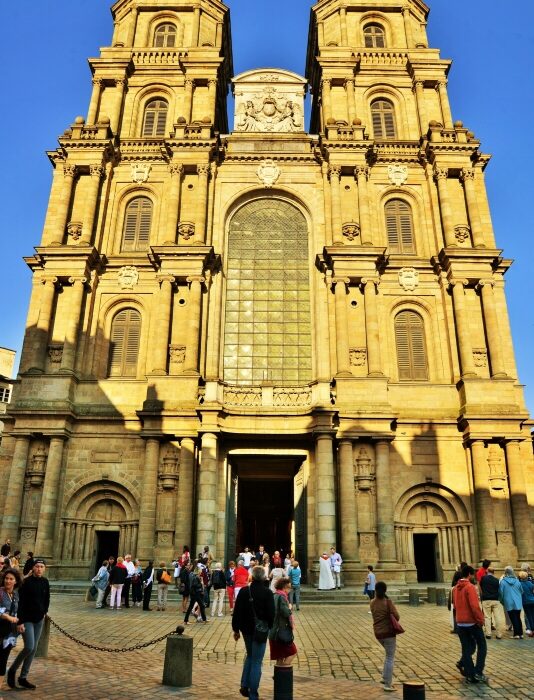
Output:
x=177 y=354
x=74 y=229
x=358 y=357
x=140 y=172
x=128 y=277
x=409 y=278
x=268 y=172
x=398 y=174
x=351 y=230
x=462 y=233
x=55 y=353
x=480 y=357
x=186 y=230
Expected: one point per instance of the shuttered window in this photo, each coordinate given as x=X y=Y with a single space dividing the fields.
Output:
x=411 y=346
x=165 y=36
x=374 y=36
x=399 y=226
x=155 y=120
x=383 y=116
x=137 y=222
x=124 y=344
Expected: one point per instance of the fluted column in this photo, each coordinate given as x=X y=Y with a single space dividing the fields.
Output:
x=326 y=100
x=343 y=25
x=406 y=16
x=421 y=106
x=487 y=541
x=207 y=493
x=374 y=360
x=63 y=205
x=196 y=26
x=445 y=106
x=147 y=507
x=174 y=191
x=14 y=489
x=362 y=173
x=347 y=501
x=44 y=543
x=97 y=172
x=467 y=177
x=161 y=339
x=351 y=99
x=441 y=176
x=342 y=329
x=188 y=104
x=115 y=117
x=212 y=99
x=337 y=225
x=202 y=203
x=493 y=335
x=461 y=317
x=98 y=84
x=42 y=329
x=519 y=503
x=326 y=492
x=385 y=517
x=192 y=349
x=134 y=12
x=76 y=294
x=184 y=504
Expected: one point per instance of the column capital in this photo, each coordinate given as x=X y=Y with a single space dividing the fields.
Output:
x=485 y=283
x=441 y=173
x=340 y=280
x=176 y=169
x=418 y=84
x=326 y=82
x=98 y=82
x=467 y=174
x=212 y=82
x=334 y=171
x=97 y=170
x=362 y=171
x=203 y=170
x=189 y=83
x=121 y=82
x=195 y=278
x=458 y=281
x=405 y=9
x=370 y=280
x=165 y=278
x=348 y=80
x=77 y=280
x=69 y=170
x=441 y=84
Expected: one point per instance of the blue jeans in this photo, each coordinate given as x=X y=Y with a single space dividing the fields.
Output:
x=31 y=635
x=251 y=675
x=294 y=595
x=472 y=638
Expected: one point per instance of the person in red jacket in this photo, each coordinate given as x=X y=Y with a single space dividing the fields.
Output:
x=470 y=623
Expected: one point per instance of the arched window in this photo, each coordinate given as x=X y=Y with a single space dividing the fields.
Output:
x=124 y=344
x=155 y=119
x=137 y=222
x=383 y=115
x=411 y=346
x=399 y=226
x=165 y=35
x=374 y=36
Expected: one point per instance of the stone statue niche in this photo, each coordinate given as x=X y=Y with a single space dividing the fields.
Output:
x=269 y=100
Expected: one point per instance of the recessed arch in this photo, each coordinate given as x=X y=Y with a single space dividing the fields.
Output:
x=82 y=500
x=444 y=498
x=146 y=94
x=380 y=19
x=165 y=17
x=391 y=94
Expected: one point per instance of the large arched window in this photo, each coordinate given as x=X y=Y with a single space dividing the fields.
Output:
x=155 y=119
x=375 y=37
x=124 y=344
x=411 y=346
x=383 y=115
x=137 y=223
x=268 y=320
x=399 y=226
x=165 y=35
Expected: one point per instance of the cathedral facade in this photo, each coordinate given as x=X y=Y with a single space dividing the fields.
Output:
x=260 y=334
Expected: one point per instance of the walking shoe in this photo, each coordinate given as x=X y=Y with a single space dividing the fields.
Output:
x=244 y=692
x=25 y=683
x=481 y=678
x=488 y=636
x=10 y=678
x=471 y=679
x=460 y=667
x=220 y=615
x=389 y=689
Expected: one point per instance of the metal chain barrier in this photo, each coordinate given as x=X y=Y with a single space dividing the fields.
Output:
x=110 y=650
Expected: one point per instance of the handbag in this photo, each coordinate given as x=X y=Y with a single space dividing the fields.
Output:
x=261 y=628
x=284 y=635
x=93 y=591
x=396 y=627
x=165 y=577
x=365 y=589
x=6 y=627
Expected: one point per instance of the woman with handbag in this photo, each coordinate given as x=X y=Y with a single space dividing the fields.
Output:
x=163 y=578
x=281 y=638
x=137 y=584
x=386 y=628
x=9 y=601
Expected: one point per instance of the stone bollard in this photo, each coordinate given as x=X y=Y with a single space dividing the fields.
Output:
x=42 y=645
x=413 y=690
x=413 y=597
x=431 y=593
x=441 y=596
x=283 y=683
x=178 y=665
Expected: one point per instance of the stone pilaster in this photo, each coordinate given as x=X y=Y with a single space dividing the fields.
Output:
x=342 y=329
x=441 y=176
x=468 y=179
x=169 y=234
x=44 y=543
x=115 y=117
x=196 y=25
x=362 y=174
x=343 y=25
x=351 y=99
x=491 y=323
x=147 y=507
x=519 y=502
x=463 y=333
x=98 y=85
x=76 y=295
x=206 y=533
x=97 y=172
x=326 y=100
x=63 y=205
x=212 y=99
x=487 y=540
x=325 y=490
x=421 y=106
x=347 y=498
x=134 y=12
x=441 y=87
x=335 y=177
x=42 y=329
x=193 y=337
x=188 y=103
x=15 y=489
x=184 y=507
x=374 y=360
x=385 y=517
x=202 y=203
x=161 y=339
x=407 y=17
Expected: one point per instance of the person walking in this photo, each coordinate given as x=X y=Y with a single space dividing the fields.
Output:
x=117 y=577
x=254 y=604
x=137 y=584
x=281 y=638
x=276 y=574
x=295 y=575
x=107 y=592
x=130 y=569
x=34 y=601
x=185 y=585
x=240 y=576
x=335 y=565
x=196 y=597
x=101 y=582
x=483 y=570
x=218 y=582
x=10 y=582
x=470 y=624
x=382 y=609
x=370 y=583
x=511 y=597
x=148 y=580
x=230 y=585
x=163 y=578
x=528 y=601
x=489 y=596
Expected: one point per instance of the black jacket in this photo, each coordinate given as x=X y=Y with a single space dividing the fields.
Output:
x=118 y=574
x=218 y=579
x=489 y=587
x=263 y=601
x=34 y=599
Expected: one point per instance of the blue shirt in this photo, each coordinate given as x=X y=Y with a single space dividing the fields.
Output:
x=294 y=575
x=371 y=581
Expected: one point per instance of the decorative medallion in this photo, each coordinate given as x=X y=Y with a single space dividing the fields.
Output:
x=408 y=278
x=462 y=233
x=398 y=174
x=351 y=230
x=55 y=353
x=186 y=230
x=128 y=277
x=177 y=354
x=268 y=172
x=74 y=229
x=140 y=172
x=480 y=357
x=358 y=357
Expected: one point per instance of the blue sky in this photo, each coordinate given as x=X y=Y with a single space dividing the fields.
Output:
x=46 y=83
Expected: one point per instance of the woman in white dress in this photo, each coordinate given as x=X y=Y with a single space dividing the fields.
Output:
x=326 y=580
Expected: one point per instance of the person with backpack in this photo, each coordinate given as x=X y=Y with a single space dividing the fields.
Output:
x=196 y=597
x=218 y=583
x=163 y=578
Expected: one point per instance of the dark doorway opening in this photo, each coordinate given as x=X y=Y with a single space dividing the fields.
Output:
x=265 y=514
x=425 y=554
x=107 y=544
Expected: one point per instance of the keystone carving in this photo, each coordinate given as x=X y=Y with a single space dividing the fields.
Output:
x=462 y=233
x=74 y=230
x=128 y=277
x=408 y=279
x=186 y=230
x=351 y=230
x=268 y=173
x=398 y=174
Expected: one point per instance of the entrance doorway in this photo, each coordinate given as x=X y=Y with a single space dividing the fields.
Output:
x=107 y=544
x=425 y=555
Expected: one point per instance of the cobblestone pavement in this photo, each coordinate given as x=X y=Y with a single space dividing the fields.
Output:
x=338 y=657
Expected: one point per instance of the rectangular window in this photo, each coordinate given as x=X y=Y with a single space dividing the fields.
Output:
x=5 y=394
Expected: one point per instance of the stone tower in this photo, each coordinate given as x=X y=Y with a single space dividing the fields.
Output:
x=256 y=334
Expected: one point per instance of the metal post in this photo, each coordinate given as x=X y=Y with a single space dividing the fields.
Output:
x=283 y=683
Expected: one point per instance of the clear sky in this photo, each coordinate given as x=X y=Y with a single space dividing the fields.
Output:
x=46 y=82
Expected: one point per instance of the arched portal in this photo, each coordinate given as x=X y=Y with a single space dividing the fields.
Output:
x=267 y=316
